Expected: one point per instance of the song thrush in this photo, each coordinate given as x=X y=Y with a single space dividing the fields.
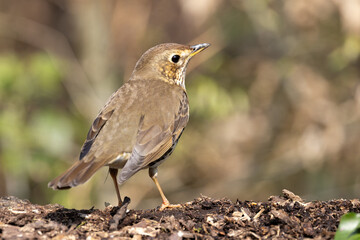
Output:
x=141 y=123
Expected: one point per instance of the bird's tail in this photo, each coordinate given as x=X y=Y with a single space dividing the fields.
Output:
x=77 y=174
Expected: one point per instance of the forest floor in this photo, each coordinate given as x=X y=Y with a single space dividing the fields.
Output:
x=281 y=217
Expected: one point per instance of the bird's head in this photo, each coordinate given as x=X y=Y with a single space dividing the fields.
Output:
x=167 y=62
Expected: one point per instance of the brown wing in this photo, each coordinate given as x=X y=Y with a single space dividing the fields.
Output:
x=154 y=141
x=95 y=129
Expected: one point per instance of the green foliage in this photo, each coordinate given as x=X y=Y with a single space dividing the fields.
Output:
x=36 y=131
x=349 y=227
x=51 y=131
x=10 y=69
x=23 y=79
x=209 y=100
x=44 y=75
x=344 y=55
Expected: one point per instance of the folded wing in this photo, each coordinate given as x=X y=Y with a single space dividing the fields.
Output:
x=154 y=141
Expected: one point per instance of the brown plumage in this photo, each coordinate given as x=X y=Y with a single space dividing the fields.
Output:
x=141 y=123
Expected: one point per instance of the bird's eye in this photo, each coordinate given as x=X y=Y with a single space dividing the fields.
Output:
x=175 y=58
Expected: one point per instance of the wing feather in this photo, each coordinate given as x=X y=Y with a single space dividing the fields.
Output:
x=153 y=142
x=94 y=131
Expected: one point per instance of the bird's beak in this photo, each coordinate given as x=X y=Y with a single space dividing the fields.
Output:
x=198 y=48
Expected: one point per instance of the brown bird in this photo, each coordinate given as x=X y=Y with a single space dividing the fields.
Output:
x=141 y=123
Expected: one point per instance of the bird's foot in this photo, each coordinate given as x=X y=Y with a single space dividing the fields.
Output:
x=169 y=206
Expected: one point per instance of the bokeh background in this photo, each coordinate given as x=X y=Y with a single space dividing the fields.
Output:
x=275 y=101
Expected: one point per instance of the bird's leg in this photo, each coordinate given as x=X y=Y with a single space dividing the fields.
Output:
x=165 y=202
x=113 y=173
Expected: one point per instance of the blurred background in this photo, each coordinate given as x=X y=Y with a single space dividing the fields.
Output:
x=275 y=101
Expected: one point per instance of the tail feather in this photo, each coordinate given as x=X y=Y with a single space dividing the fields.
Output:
x=77 y=174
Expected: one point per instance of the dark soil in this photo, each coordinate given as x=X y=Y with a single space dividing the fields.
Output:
x=284 y=217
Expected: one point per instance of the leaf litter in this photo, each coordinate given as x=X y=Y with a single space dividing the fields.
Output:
x=281 y=217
